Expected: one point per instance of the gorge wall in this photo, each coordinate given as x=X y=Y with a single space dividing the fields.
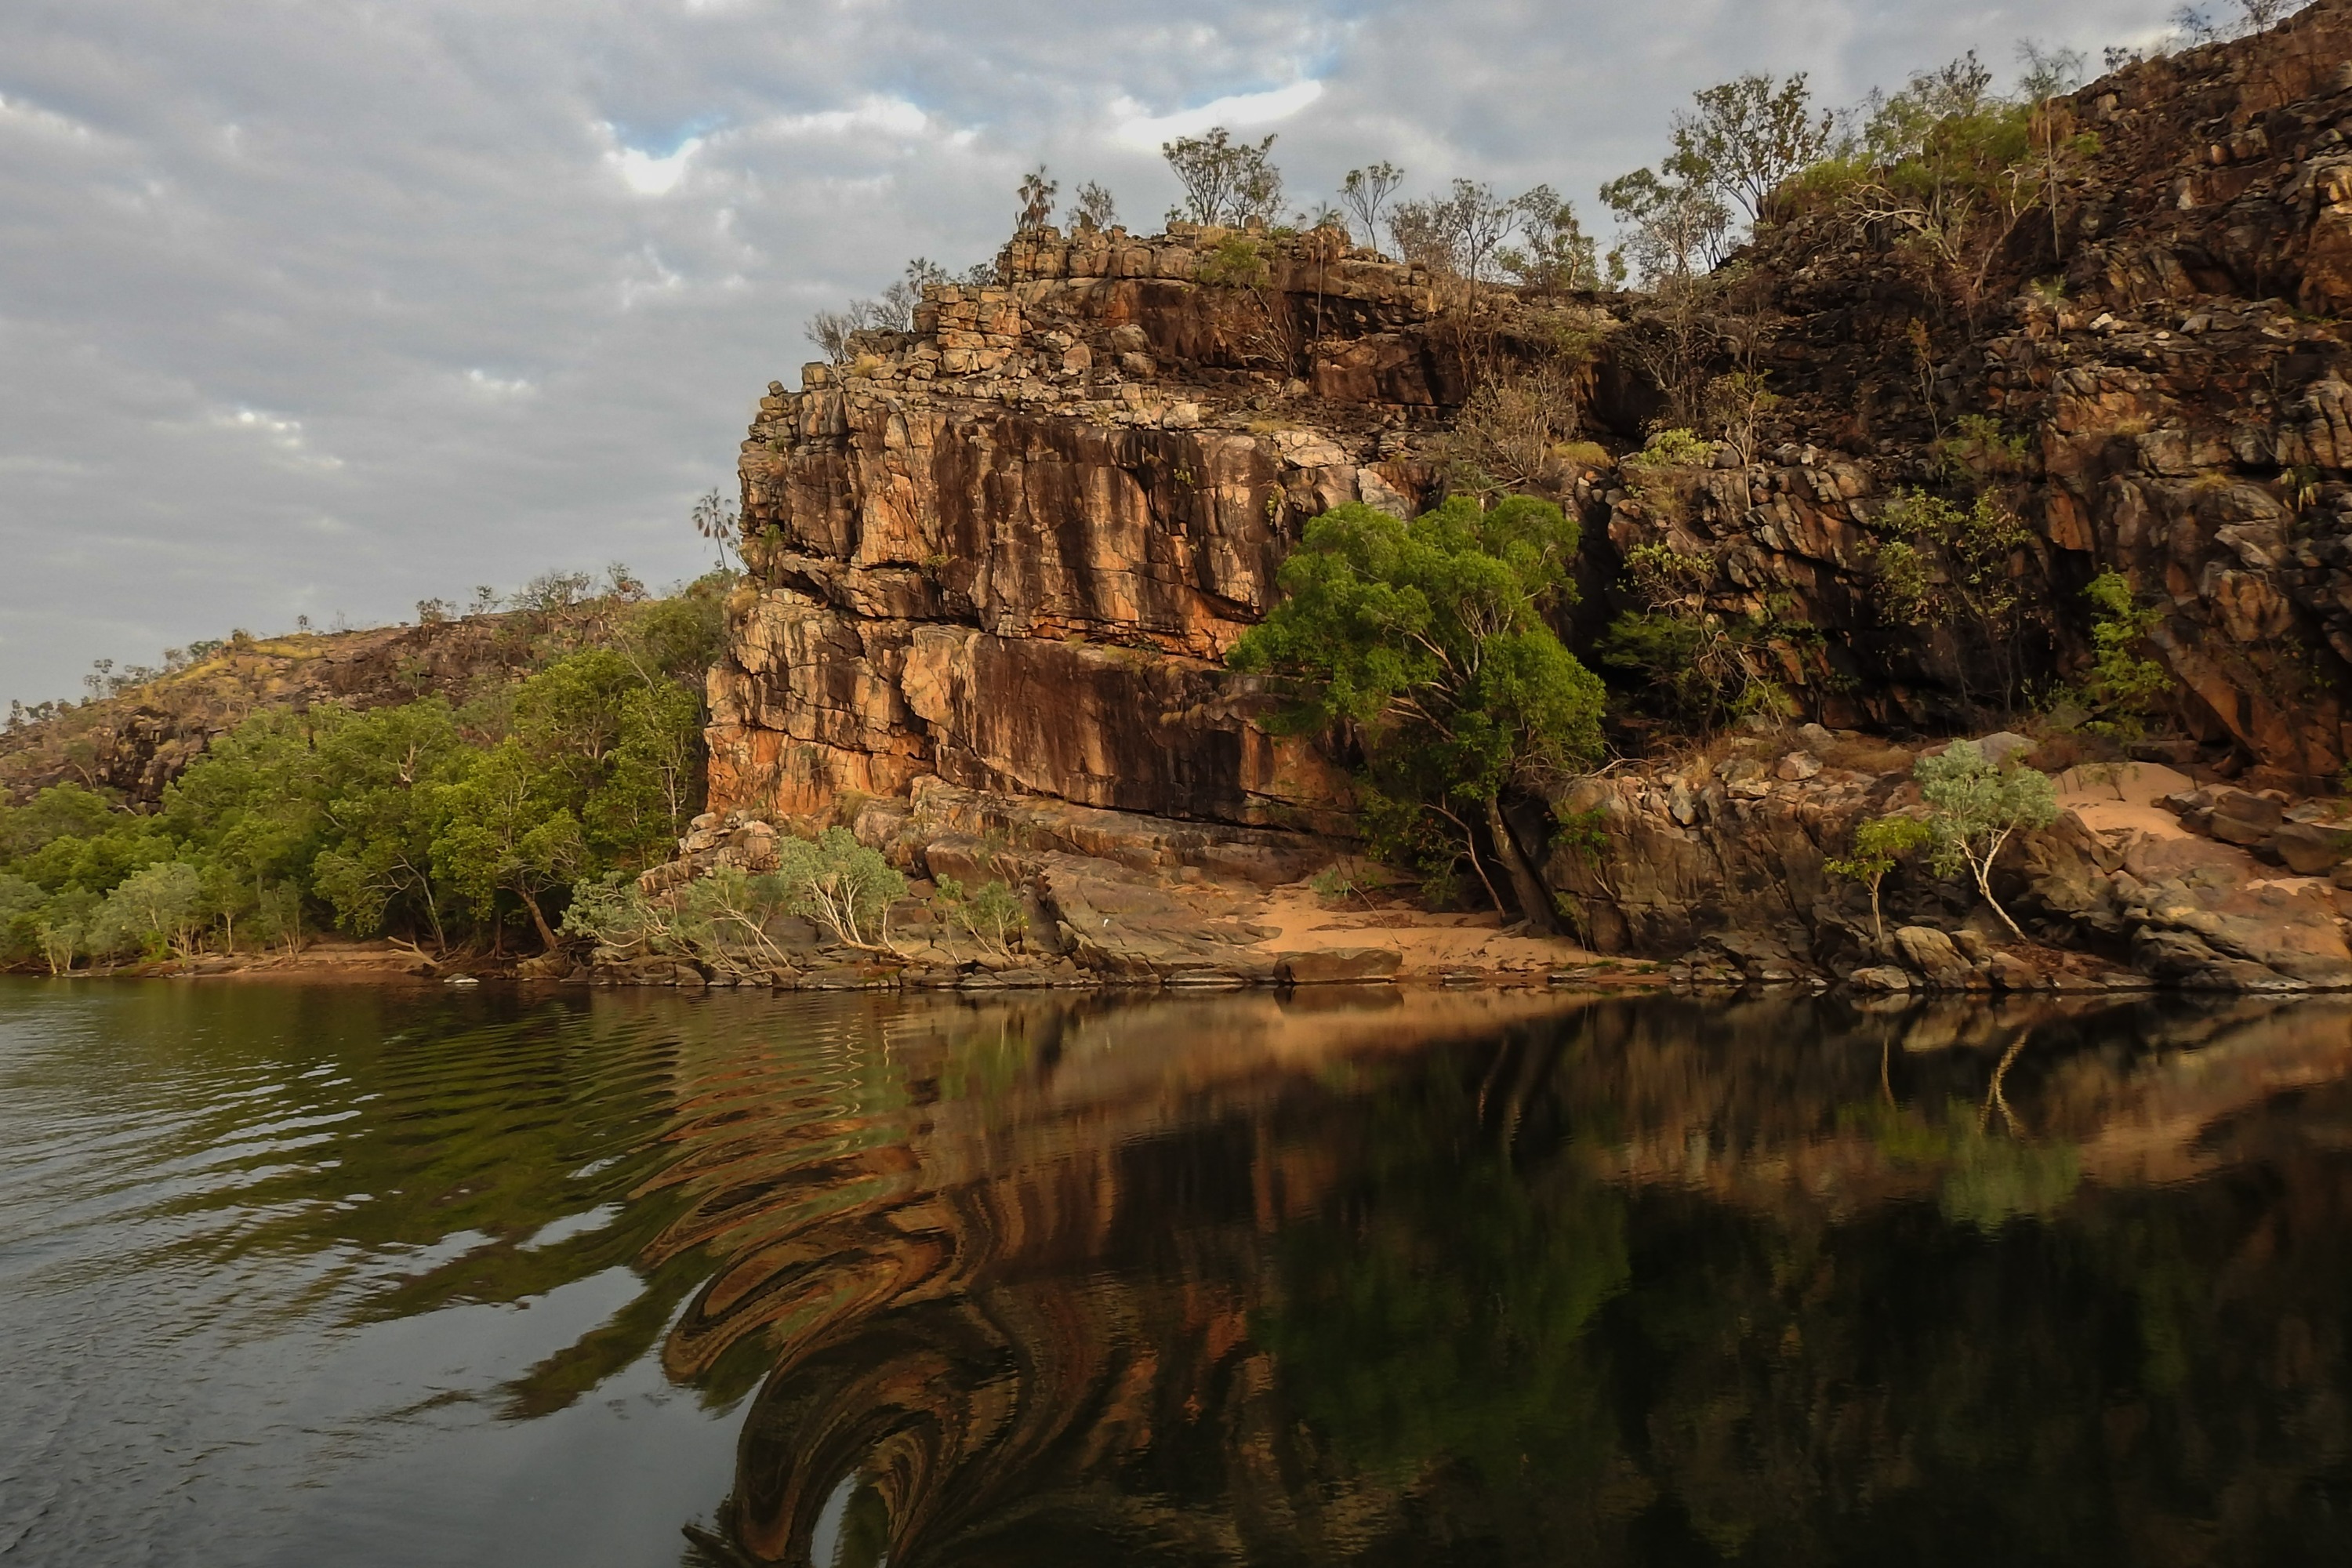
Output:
x=1011 y=547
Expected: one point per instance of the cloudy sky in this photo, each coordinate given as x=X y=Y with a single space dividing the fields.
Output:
x=321 y=307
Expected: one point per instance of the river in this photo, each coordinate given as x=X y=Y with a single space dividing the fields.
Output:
x=363 y=1275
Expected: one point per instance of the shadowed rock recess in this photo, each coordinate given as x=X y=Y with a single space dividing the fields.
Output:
x=998 y=559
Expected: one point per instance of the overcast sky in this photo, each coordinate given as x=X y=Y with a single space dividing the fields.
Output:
x=321 y=307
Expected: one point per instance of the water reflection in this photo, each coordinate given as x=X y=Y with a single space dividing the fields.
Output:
x=1451 y=1277
x=1649 y=1281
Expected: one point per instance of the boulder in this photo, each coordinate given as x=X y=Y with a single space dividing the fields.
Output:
x=2311 y=848
x=1879 y=977
x=1333 y=966
x=1932 y=954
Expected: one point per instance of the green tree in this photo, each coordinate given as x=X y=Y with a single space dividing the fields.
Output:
x=1225 y=181
x=840 y=884
x=21 y=901
x=1973 y=807
x=382 y=775
x=1427 y=642
x=501 y=827
x=1879 y=845
x=2123 y=687
x=1674 y=228
x=156 y=909
x=1744 y=137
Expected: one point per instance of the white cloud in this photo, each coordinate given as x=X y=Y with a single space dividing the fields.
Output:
x=651 y=176
x=483 y=381
x=1136 y=129
x=878 y=115
x=18 y=114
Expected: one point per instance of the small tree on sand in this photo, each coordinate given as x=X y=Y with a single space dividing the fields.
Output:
x=1973 y=807
x=1426 y=641
x=1878 y=844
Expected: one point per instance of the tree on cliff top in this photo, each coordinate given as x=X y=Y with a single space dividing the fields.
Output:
x=1225 y=181
x=1426 y=641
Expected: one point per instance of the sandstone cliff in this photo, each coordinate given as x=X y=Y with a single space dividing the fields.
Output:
x=2169 y=353
x=1010 y=548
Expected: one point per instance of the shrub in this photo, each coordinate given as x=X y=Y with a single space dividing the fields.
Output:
x=1427 y=642
x=994 y=916
x=1974 y=806
x=2123 y=687
x=842 y=885
x=1878 y=844
x=155 y=911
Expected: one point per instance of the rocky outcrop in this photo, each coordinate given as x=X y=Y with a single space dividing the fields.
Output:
x=2168 y=358
x=1012 y=547
x=1725 y=862
x=1002 y=556
x=133 y=744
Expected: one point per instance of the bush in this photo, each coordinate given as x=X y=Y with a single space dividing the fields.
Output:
x=994 y=916
x=842 y=885
x=1973 y=807
x=154 y=912
x=1426 y=642
x=2123 y=687
x=1879 y=845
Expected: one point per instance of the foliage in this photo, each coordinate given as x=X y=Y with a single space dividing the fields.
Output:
x=439 y=821
x=1037 y=193
x=1426 y=643
x=1237 y=262
x=840 y=884
x=1224 y=181
x=1975 y=806
x=1955 y=565
x=993 y=915
x=894 y=309
x=1879 y=845
x=1665 y=451
x=1514 y=434
x=1981 y=450
x=2123 y=687
x=155 y=912
x=1949 y=165
x=1744 y=137
x=1468 y=234
x=1555 y=256
x=21 y=903
x=1673 y=228
x=1694 y=663
x=1095 y=210
x=1365 y=193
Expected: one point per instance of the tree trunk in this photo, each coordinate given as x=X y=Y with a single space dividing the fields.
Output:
x=546 y=934
x=1535 y=899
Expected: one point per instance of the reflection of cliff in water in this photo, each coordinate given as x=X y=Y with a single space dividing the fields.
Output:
x=1631 y=1280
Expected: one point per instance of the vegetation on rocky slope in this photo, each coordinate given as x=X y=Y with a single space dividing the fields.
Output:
x=567 y=744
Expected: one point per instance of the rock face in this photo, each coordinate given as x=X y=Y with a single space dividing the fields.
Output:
x=1013 y=546
x=2176 y=388
x=1006 y=552
x=1726 y=864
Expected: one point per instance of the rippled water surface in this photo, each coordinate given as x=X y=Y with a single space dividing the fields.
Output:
x=349 y=1276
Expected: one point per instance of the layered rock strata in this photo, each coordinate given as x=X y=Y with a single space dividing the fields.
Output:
x=2165 y=357
x=1012 y=547
x=1003 y=554
x=1725 y=862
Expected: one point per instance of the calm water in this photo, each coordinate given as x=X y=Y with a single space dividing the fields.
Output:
x=311 y=1276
